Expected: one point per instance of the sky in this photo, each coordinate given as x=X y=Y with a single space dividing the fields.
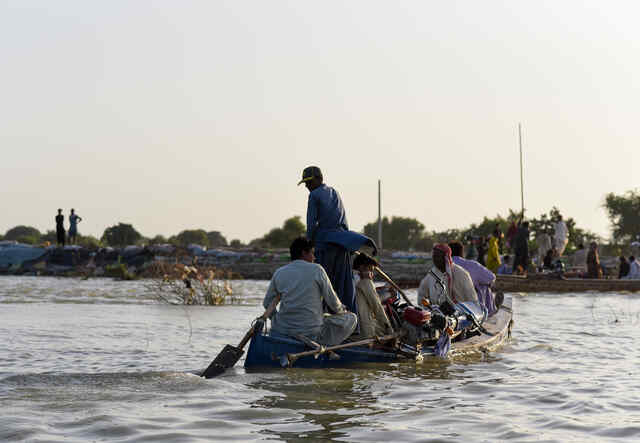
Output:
x=202 y=114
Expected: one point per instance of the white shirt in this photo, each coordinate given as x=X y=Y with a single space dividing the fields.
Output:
x=561 y=236
x=434 y=287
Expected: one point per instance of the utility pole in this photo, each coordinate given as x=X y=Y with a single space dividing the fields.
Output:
x=379 y=216
x=521 y=174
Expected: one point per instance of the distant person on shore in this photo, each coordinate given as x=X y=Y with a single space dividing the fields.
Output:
x=493 y=253
x=481 y=277
x=505 y=268
x=543 y=240
x=328 y=229
x=549 y=262
x=305 y=291
x=482 y=250
x=634 y=269
x=74 y=219
x=579 y=258
x=521 y=248
x=560 y=235
x=497 y=232
x=624 y=267
x=472 y=251
x=594 y=270
x=511 y=235
x=60 y=232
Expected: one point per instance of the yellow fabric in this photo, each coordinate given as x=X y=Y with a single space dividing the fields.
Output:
x=493 y=255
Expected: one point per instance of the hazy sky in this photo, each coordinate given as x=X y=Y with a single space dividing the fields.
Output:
x=174 y=115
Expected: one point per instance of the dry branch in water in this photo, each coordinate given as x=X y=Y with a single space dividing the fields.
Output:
x=179 y=284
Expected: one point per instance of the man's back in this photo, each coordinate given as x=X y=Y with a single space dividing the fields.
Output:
x=325 y=212
x=303 y=287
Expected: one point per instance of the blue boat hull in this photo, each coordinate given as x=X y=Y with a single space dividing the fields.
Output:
x=265 y=350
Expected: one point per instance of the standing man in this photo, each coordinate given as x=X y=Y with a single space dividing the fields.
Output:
x=327 y=228
x=73 y=226
x=521 y=248
x=560 y=235
x=60 y=234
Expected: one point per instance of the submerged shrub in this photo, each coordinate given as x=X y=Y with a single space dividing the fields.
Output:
x=179 y=284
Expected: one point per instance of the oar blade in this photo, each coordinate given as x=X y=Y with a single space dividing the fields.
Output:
x=226 y=359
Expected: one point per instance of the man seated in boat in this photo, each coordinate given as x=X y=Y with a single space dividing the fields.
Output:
x=305 y=290
x=372 y=319
x=445 y=281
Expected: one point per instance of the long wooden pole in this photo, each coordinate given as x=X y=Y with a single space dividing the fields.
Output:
x=379 y=216
x=521 y=173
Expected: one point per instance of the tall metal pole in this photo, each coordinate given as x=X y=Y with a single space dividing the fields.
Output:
x=379 y=216
x=521 y=175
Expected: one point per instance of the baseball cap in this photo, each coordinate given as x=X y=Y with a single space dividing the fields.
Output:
x=310 y=172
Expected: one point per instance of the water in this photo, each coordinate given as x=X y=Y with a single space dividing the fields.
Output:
x=101 y=360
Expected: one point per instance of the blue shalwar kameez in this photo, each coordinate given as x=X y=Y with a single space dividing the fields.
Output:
x=327 y=226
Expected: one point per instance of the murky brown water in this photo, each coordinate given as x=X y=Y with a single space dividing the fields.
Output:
x=100 y=360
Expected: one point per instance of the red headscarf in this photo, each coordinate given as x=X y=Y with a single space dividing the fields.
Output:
x=448 y=263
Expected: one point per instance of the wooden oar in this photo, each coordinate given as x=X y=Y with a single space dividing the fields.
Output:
x=393 y=284
x=230 y=355
x=289 y=359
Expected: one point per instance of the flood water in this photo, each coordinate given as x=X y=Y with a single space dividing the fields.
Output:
x=103 y=360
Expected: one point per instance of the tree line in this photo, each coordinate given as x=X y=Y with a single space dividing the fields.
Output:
x=398 y=233
x=123 y=234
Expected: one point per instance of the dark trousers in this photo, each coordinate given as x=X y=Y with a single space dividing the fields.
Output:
x=522 y=259
x=336 y=261
x=60 y=234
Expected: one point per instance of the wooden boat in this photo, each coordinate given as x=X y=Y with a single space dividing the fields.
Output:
x=550 y=283
x=266 y=350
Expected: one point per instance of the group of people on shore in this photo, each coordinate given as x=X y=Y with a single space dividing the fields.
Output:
x=61 y=234
x=327 y=298
x=551 y=246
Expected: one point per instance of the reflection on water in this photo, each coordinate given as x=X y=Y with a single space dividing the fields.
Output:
x=103 y=360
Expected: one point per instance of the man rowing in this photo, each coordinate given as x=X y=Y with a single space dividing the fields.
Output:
x=305 y=289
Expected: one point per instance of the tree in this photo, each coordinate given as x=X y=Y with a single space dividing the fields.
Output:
x=23 y=234
x=624 y=214
x=158 y=240
x=88 y=241
x=235 y=243
x=401 y=233
x=50 y=237
x=282 y=237
x=121 y=234
x=216 y=239
x=192 y=237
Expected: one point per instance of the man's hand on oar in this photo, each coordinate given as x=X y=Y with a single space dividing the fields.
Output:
x=230 y=355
